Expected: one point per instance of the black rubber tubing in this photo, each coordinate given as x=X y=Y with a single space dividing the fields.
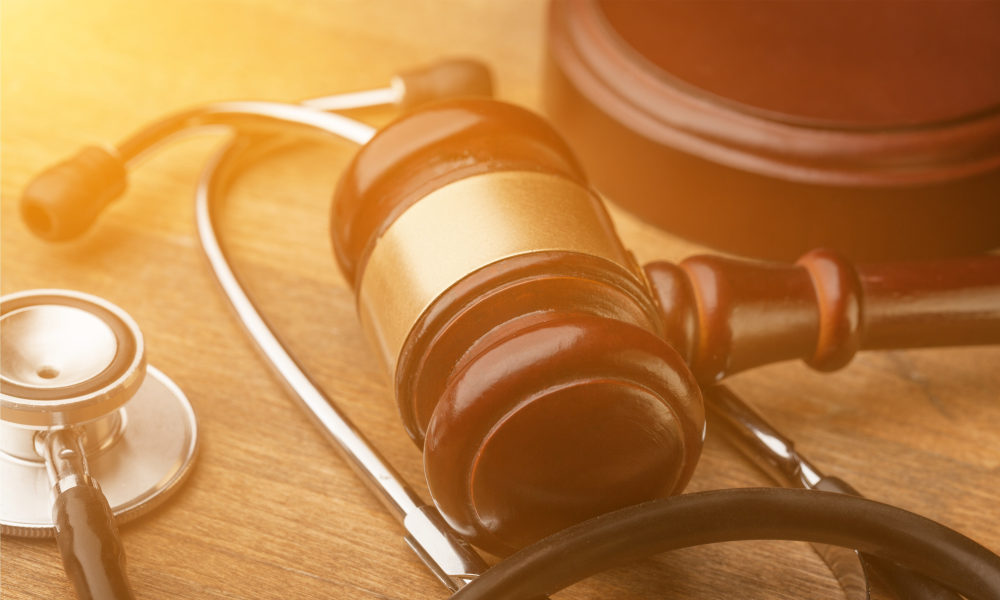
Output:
x=904 y=538
x=92 y=552
x=903 y=584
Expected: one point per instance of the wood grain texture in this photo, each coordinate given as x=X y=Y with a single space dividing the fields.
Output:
x=270 y=511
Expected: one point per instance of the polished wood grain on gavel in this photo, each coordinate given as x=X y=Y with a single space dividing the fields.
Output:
x=270 y=511
x=547 y=377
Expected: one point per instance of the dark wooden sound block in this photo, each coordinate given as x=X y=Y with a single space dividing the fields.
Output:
x=769 y=128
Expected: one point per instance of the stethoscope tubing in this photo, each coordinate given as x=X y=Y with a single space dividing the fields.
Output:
x=899 y=536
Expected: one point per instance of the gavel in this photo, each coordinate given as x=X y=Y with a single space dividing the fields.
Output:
x=547 y=376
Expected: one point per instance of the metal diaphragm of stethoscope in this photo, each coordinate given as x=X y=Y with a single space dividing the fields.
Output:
x=65 y=200
x=86 y=421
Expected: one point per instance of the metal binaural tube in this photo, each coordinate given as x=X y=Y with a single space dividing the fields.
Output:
x=759 y=441
x=452 y=560
x=351 y=100
x=244 y=116
x=450 y=77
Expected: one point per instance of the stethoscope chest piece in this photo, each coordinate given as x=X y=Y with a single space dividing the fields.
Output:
x=74 y=364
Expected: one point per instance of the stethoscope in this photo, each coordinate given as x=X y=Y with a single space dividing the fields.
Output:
x=85 y=418
x=916 y=557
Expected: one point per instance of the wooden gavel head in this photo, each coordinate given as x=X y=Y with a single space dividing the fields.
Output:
x=525 y=346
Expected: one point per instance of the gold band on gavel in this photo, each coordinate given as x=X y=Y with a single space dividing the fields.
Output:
x=465 y=226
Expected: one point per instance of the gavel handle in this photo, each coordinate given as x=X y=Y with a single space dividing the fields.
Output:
x=726 y=315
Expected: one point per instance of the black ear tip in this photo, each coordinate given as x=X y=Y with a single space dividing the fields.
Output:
x=38 y=220
x=63 y=201
x=449 y=78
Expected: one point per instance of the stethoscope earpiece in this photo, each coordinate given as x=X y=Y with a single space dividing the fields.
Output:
x=74 y=368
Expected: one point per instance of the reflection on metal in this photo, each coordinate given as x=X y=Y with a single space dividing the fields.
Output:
x=452 y=560
x=775 y=454
x=78 y=407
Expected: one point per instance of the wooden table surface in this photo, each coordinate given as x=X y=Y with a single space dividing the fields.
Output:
x=270 y=511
